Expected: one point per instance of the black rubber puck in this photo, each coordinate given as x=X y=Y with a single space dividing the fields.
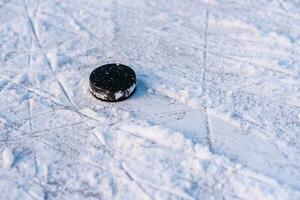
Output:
x=113 y=82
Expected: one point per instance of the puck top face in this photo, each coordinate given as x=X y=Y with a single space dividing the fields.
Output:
x=112 y=82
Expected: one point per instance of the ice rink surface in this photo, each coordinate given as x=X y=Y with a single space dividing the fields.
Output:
x=216 y=114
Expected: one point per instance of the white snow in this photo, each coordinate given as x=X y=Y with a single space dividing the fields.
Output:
x=125 y=93
x=215 y=115
x=7 y=158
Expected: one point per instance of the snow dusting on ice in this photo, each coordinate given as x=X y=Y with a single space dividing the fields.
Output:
x=215 y=115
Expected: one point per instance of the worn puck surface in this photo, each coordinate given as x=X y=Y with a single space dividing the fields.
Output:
x=112 y=82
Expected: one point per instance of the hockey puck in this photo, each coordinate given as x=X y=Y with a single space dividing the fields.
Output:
x=113 y=82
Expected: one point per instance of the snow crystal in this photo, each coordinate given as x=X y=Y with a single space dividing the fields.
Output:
x=216 y=114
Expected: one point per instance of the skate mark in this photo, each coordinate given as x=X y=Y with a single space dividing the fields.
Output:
x=174 y=192
x=12 y=21
x=218 y=164
x=115 y=21
x=56 y=147
x=29 y=75
x=203 y=83
x=130 y=177
x=80 y=25
x=203 y=87
x=178 y=22
x=276 y=70
x=32 y=27
x=70 y=108
x=209 y=133
x=282 y=6
x=84 y=28
x=5 y=87
x=37 y=133
x=2 y=87
x=36 y=9
x=260 y=132
x=263 y=8
x=269 y=68
x=140 y=137
x=29 y=112
x=22 y=134
x=29 y=56
x=34 y=117
x=32 y=90
x=82 y=160
x=251 y=41
x=238 y=58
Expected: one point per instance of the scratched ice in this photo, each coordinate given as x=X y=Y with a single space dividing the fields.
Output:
x=216 y=114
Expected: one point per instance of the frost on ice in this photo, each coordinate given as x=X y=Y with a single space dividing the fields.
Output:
x=215 y=115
